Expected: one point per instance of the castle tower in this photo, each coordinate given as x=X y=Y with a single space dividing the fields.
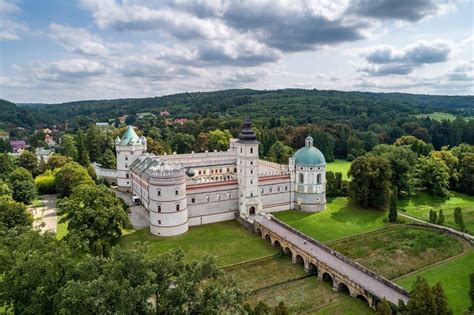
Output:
x=128 y=149
x=308 y=174
x=247 y=170
x=168 y=205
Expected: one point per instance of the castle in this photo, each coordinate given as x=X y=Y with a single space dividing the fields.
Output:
x=182 y=190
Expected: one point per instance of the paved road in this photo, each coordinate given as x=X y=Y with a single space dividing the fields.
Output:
x=440 y=227
x=366 y=281
x=138 y=215
x=45 y=216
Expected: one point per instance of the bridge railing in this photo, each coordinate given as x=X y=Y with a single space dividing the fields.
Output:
x=342 y=257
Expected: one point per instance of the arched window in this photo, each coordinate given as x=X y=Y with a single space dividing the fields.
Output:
x=251 y=150
x=301 y=178
x=319 y=179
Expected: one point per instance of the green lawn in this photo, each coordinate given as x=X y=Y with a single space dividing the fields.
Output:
x=399 y=250
x=61 y=230
x=228 y=241
x=421 y=205
x=340 y=219
x=440 y=116
x=454 y=275
x=349 y=306
x=341 y=166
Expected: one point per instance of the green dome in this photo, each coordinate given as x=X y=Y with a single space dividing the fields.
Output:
x=309 y=155
x=129 y=137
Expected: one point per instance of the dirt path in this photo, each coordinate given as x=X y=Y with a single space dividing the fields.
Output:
x=45 y=215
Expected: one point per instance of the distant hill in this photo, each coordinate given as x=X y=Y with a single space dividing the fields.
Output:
x=306 y=106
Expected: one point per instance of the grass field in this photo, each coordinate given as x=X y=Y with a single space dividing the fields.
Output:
x=421 y=205
x=345 y=307
x=341 y=166
x=228 y=241
x=454 y=275
x=440 y=116
x=400 y=250
x=340 y=219
x=267 y=272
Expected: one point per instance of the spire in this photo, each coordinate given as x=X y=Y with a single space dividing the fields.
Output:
x=129 y=137
x=246 y=133
x=309 y=141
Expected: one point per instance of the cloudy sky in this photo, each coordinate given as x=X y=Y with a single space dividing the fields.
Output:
x=63 y=50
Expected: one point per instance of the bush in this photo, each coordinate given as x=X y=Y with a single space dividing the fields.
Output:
x=45 y=183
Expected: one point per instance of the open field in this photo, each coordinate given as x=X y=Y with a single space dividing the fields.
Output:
x=346 y=307
x=267 y=272
x=340 y=219
x=441 y=116
x=399 y=250
x=420 y=206
x=341 y=166
x=454 y=276
x=228 y=241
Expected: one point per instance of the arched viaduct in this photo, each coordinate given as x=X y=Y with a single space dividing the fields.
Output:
x=329 y=265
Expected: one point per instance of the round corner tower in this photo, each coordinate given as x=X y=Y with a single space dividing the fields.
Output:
x=308 y=172
x=167 y=194
x=128 y=149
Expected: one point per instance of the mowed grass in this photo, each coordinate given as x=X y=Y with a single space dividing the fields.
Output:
x=349 y=306
x=454 y=276
x=420 y=206
x=267 y=272
x=441 y=116
x=340 y=219
x=341 y=166
x=228 y=241
x=397 y=251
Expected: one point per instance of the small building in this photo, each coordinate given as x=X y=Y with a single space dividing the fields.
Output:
x=47 y=131
x=5 y=135
x=180 y=121
x=43 y=154
x=165 y=113
x=49 y=140
x=147 y=114
x=18 y=146
x=102 y=124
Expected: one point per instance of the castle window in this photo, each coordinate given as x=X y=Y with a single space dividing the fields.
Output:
x=301 y=178
x=159 y=221
x=193 y=200
x=208 y=198
x=227 y=170
x=262 y=191
x=177 y=207
x=251 y=150
x=212 y=171
x=271 y=190
x=127 y=175
x=199 y=172
x=158 y=192
x=251 y=162
x=251 y=182
x=219 y=197
x=126 y=158
x=251 y=171
x=240 y=150
x=251 y=194
x=286 y=188
x=176 y=192
x=319 y=179
x=278 y=189
x=159 y=208
x=235 y=169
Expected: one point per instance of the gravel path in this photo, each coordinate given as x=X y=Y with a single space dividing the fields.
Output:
x=45 y=216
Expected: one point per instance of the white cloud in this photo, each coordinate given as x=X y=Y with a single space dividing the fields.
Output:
x=78 y=40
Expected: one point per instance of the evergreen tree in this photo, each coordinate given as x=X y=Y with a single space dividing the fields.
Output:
x=281 y=309
x=6 y=165
x=393 y=213
x=421 y=299
x=471 y=290
x=440 y=300
x=82 y=151
x=108 y=159
x=433 y=216
x=440 y=217
x=92 y=143
x=459 y=218
x=29 y=161
x=68 y=147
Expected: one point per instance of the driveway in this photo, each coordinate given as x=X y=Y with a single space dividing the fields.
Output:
x=138 y=215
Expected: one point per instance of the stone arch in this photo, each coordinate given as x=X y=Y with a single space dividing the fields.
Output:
x=342 y=287
x=268 y=238
x=363 y=298
x=287 y=251
x=299 y=260
x=259 y=232
x=327 y=277
x=277 y=244
x=312 y=269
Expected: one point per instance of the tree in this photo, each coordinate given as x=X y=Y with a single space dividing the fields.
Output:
x=92 y=143
x=432 y=173
x=441 y=217
x=370 y=184
x=108 y=159
x=6 y=165
x=281 y=309
x=459 y=218
x=421 y=298
x=202 y=142
x=95 y=216
x=182 y=142
x=334 y=184
x=14 y=214
x=433 y=216
x=70 y=176
x=23 y=185
x=440 y=299
x=68 y=147
x=471 y=290
x=279 y=153
x=5 y=191
x=393 y=213
x=466 y=174
x=219 y=140
x=325 y=142
x=46 y=183
x=355 y=147
x=383 y=308
x=57 y=161
x=29 y=161
x=82 y=149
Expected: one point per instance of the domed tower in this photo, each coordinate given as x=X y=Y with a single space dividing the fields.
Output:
x=247 y=170
x=167 y=194
x=128 y=149
x=308 y=173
